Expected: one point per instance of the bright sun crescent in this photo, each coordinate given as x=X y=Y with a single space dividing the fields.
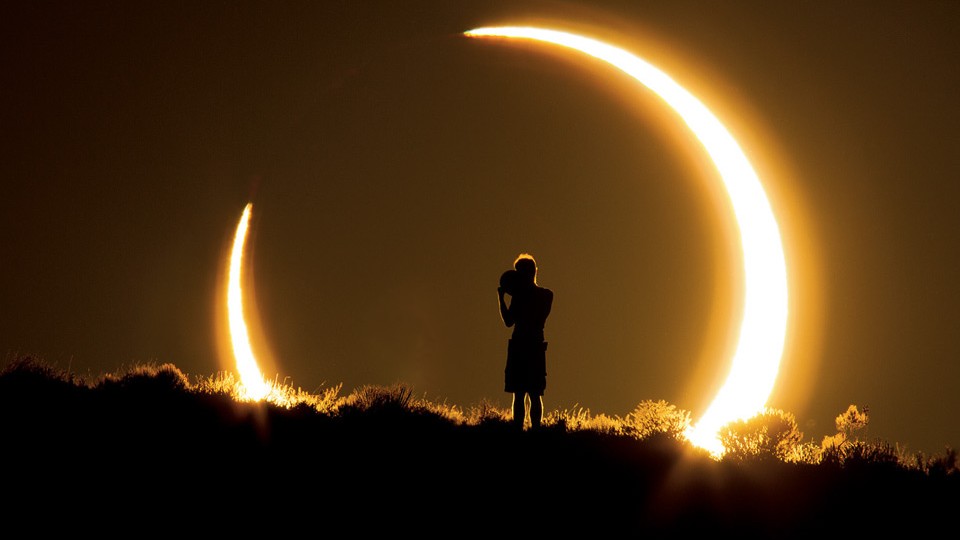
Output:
x=253 y=385
x=760 y=344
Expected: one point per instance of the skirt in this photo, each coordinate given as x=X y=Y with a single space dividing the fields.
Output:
x=526 y=370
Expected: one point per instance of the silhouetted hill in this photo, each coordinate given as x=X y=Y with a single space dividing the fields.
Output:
x=147 y=452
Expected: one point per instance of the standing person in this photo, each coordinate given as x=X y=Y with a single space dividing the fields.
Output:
x=526 y=371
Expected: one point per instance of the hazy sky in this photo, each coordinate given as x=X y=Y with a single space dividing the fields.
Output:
x=397 y=168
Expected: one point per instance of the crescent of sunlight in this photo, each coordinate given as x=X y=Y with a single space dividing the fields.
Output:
x=763 y=327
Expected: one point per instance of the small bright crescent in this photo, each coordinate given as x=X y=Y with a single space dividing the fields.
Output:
x=763 y=327
x=253 y=385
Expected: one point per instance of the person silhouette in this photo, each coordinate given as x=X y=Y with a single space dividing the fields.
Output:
x=526 y=370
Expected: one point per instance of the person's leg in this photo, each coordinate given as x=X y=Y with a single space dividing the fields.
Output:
x=519 y=410
x=536 y=410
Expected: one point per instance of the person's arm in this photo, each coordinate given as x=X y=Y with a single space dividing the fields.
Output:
x=504 y=310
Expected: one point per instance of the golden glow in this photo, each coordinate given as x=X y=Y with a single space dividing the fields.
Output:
x=251 y=379
x=762 y=330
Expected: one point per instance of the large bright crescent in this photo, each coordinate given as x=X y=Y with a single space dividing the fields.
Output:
x=763 y=326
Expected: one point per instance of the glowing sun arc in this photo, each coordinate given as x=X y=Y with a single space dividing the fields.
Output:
x=251 y=378
x=762 y=333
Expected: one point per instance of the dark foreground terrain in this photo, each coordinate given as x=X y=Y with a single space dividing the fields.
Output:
x=148 y=455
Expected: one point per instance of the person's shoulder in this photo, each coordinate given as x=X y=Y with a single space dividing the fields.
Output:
x=546 y=292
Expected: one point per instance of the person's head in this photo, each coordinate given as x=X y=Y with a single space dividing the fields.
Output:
x=526 y=268
x=508 y=281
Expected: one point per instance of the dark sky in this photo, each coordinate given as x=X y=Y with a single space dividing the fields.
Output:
x=397 y=168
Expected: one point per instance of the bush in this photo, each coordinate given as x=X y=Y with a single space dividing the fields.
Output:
x=837 y=448
x=148 y=378
x=25 y=371
x=771 y=434
x=656 y=417
x=373 y=398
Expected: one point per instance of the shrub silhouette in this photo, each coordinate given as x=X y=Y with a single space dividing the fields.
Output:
x=656 y=417
x=845 y=444
x=861 y=453
x=147 y=378
x=30 y=372
x=372 y=398
x=771 y=434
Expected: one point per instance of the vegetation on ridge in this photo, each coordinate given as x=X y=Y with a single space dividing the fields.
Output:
x=151 y=439
x=772 y=434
